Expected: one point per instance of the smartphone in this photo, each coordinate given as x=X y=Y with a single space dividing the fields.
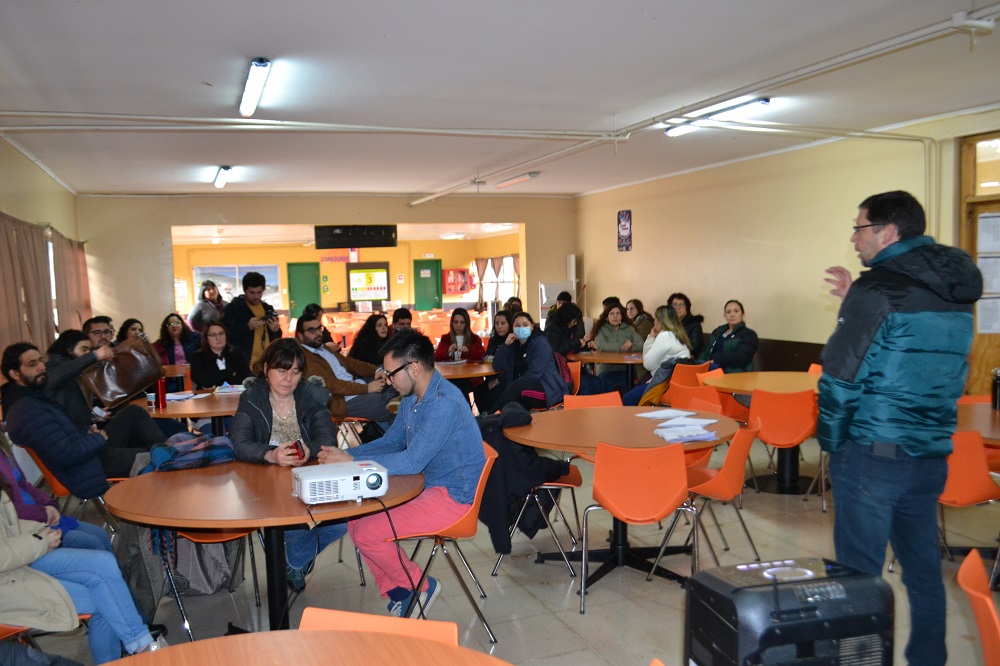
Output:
x=298 y=449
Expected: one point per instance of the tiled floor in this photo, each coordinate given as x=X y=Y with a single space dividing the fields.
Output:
x=534 y=609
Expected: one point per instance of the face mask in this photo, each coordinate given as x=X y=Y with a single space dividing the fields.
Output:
x=522 y=332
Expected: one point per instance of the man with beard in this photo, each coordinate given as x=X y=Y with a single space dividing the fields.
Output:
x=80 y=460
x=356 y=387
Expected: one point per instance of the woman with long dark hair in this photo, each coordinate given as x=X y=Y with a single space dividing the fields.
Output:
x=460 y=341
x=370 y=340
x=533 y=378
x=208 y=308
x=613 y=332
x=732 y=346
x=278 y=413
x=217 y=362
x=177 y=343
x=131 y=328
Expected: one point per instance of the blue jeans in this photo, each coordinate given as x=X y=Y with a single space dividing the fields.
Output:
x=614 y=380
x=95 y=585
x=633 y=396
x=302 y=545
x=88 y=537
x=879 y=499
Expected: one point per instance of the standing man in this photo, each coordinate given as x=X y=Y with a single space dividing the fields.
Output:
x=892 y=371
x=251 y=323
x=434 y=434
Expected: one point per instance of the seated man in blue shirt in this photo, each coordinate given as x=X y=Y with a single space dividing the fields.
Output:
x=435 y=434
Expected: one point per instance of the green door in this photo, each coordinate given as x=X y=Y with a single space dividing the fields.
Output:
x=427 y=284
x=303 y=287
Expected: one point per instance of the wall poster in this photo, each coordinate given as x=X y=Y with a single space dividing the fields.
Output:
x=624 y=231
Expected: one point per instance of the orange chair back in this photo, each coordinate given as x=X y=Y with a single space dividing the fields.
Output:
x=58 y=489
x=465 y=526
x=640 y=486
x=975 y=399
x=728 y=483
x=687 y=374
x=969 y=481
x=815 y=369
x=682 y=396
x=613 y=399
x=972 y=579
x=221 y=536
x=10 y=630
x=575 y=368
x=318 y=619
x=718 y=372
x=656 y=662
x=786 y=419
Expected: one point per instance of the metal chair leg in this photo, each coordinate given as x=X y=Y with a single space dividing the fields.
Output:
x=253 y=570
x=465 y=588
x=177 y=596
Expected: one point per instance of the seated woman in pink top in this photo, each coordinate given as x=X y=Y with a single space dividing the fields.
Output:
x=176 y=346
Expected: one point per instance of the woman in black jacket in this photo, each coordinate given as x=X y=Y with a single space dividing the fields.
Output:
x=691 y=322
x=217 y=362
x=732 y=345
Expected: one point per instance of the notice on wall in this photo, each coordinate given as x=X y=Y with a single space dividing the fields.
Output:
x=400 y=278
x=624 y=230
x=988 y=315
x=988 y=234
x=990 y=268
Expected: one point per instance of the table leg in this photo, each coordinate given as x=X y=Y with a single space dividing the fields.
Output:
x=277 y=591
x=219 y=426
x=786 y=480
x=621 y=554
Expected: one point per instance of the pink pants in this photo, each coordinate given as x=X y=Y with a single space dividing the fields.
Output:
x=431 y=510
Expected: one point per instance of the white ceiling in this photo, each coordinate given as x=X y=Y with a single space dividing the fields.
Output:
x=120 y=97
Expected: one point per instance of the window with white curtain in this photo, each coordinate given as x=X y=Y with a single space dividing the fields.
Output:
x=499 y=285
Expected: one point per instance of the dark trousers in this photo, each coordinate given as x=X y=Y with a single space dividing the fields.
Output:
x=130 y=432
x=879 y=499
x=513 y=393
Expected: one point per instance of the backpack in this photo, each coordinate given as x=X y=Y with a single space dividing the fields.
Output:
x=182 y=451
x=564 y=372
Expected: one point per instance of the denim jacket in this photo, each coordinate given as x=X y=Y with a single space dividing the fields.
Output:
x=436 y=436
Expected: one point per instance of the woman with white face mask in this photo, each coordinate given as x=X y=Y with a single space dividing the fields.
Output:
x=533 y=379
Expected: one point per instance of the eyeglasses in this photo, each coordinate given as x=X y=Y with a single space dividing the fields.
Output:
x=312 y=329
x=102 y=333
x=174 y=324
x=858 y=228
x=389 y=375
x=220 y=334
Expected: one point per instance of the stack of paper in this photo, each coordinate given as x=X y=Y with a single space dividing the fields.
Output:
x=686 y=429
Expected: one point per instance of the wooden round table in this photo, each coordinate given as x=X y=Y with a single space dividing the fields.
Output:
x=466 y=369
x=628 y=359
x=579 y=431
x=786 y=480
x=344 y=648
x=203 y=405
x=775 y=382
x=236 y=496
x=981 y=418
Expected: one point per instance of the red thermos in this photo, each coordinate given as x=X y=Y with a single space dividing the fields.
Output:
x=161 y=393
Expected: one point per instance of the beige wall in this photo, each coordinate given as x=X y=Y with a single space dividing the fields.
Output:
x=761 y=231
x=30 y=194
x=130 y=256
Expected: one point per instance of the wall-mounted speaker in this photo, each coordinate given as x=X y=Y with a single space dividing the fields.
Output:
x=355 y=235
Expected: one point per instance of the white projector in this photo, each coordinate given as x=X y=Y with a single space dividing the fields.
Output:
x=338 y=482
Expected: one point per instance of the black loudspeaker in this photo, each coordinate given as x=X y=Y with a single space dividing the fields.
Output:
x=802 y=612
x=357 y=235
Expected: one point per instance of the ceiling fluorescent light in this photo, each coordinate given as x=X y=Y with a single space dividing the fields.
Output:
x=517 y=179
x=222 y=177
x=453 y=236
x=695 y=119
x=259 y=69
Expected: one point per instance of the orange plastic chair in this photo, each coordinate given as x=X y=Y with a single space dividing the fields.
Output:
x=612 y=399
x=575 y=369
x=24 y=634
x=463 y=528
x=319 y=619
x=730 y=407
x=969 y=482
x=688 y=374
x=975 y=399
x=656 y=662
x=210 y=537
x=972 y=579
x=570 y=481
x=724 y=484
x=815 y=369
x=681 y=397
x=638 y=487
x=786 y=419
x=58 y=490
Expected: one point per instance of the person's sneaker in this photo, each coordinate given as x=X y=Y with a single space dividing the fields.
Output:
x=399 y=605
x=158 y=644
x=297 y=577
